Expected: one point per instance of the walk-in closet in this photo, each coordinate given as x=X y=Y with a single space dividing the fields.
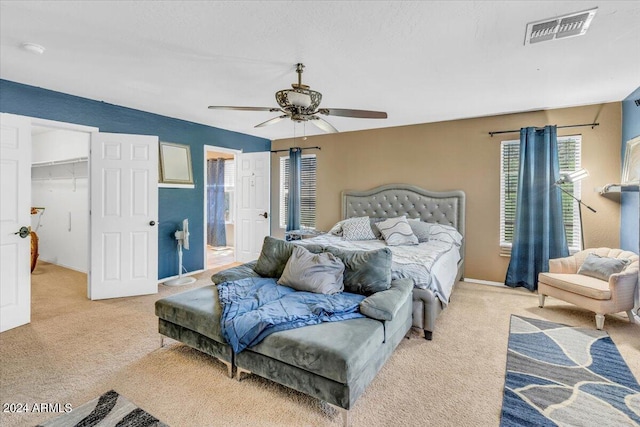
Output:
x=60 y=196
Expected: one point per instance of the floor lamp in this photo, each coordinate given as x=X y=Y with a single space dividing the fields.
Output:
x=575 y=176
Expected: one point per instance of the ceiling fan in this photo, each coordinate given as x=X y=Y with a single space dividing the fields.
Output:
x=300 y=104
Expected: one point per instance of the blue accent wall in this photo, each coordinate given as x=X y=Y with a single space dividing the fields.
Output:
x=175 y=204
x=630 y=209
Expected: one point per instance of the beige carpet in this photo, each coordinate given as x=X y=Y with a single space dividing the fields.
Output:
x=75 y=349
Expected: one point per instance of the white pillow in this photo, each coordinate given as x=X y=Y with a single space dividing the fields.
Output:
x=445 y=233
x=397 y=231
x=358 y=228
x=336 y=230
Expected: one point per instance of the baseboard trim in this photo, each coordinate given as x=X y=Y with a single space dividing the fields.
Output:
x=190 y=273
x=484 y=282
x=68 y=267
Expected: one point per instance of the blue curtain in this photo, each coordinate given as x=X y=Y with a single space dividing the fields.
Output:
x=293 y=208
x=539 y=233
x=216 y=232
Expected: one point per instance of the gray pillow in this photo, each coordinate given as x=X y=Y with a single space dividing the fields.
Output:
x=421 y=229
x=319 y=273
x=274 y=256
x=373 y=221
x=602 y=267
x=366 y=272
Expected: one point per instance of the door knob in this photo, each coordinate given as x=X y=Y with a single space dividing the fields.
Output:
x=152 y=223
x=23 y=232
x=266 y=215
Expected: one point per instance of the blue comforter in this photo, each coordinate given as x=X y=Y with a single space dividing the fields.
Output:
x=254 y=308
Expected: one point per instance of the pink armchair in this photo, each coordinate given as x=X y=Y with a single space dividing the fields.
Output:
x=618 y=294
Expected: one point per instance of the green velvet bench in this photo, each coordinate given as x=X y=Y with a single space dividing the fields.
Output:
x=333 y=362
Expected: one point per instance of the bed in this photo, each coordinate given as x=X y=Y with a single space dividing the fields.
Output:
x=434 y=266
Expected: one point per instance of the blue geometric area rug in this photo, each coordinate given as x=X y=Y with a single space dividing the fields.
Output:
x=559 y=375
x=108 y=410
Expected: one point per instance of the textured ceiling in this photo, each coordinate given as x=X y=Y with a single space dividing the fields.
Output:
x=419 y=61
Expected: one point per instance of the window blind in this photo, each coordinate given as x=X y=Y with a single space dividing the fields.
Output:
x=229 y=173
x=307 y=191
x=569 y=154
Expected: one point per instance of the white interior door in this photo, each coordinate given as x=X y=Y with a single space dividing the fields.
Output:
x=123 y=216
x=253 y=201
x=15 y=214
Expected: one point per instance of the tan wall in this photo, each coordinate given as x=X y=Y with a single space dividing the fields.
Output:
x=461 y=155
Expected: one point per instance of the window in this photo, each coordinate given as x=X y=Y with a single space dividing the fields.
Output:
x=307 y=191
x=229 y=189
x=569 y=157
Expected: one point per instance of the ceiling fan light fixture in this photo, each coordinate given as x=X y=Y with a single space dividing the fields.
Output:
x=298 y=99
x=306 y=100
x=300 y=104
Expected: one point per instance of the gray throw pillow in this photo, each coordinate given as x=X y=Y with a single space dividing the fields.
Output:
x=420 y=228
x=319 y=273
x=274 y=256
x=366 y=272
x=602 y=267
x=373 y=221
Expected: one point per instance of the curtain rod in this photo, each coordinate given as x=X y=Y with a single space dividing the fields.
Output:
x=559 y=127
x=303 y=148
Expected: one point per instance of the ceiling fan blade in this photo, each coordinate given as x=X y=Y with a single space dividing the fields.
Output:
x=271 y=121
x=224 y=107
x=361 y=114
x=323 y=124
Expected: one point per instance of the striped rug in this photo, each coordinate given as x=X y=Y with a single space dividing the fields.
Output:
x=110 y=409
x=566 y=376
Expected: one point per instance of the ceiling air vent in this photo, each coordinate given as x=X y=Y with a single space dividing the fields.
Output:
x=574 y=24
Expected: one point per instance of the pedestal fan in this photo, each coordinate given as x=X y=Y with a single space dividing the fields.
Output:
x=182 y=236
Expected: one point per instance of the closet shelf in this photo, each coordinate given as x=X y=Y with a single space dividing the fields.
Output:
x=60 y=162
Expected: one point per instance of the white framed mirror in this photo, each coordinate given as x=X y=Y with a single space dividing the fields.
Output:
x=175 y=164
x=631 y=166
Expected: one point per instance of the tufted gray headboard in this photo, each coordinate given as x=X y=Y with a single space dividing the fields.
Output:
x=392 y=200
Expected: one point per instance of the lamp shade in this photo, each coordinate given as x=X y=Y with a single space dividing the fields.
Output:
x=298 y=99
x=574 y=176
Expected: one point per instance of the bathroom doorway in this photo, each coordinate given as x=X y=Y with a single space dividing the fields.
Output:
x=220 y=203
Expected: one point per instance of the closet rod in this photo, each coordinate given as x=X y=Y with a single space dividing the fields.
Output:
x=495 y=132
x=60 y=162
x=303 y=148
x=49 y=178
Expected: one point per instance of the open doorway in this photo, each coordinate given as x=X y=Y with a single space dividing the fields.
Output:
x=220 y=206
x=59 y=216
x=60 y=196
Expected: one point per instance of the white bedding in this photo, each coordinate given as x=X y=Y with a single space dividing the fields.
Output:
x=432 y=265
